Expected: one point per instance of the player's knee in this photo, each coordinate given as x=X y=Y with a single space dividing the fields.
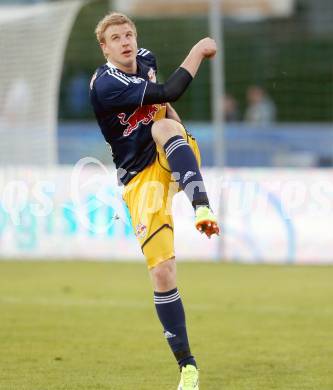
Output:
x=164 y=275
x=164 y=129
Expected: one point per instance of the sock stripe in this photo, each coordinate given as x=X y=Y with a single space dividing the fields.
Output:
x=176 y=147
x=176 y=141
x=167 y=299
x=173 y=144
x=184 y=143
x=166 y=296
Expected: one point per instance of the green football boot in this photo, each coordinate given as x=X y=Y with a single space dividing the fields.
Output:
x=205 y=221
x=189 y=378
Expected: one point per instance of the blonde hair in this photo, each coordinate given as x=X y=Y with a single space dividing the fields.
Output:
x=112 y=19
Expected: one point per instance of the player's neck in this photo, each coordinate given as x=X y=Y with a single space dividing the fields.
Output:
x=131 y=69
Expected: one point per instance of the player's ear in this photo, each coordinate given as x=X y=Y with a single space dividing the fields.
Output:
x=103 y=47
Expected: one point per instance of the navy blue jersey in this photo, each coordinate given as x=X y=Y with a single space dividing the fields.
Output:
x=117 y=99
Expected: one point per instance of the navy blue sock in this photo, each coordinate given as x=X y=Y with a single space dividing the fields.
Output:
x=185 y=170
x=171 y=313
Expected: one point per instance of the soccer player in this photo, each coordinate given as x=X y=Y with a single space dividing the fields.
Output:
x=155 y=157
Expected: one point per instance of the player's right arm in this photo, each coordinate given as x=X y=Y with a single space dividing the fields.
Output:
x=206 y=48
x=178 y=82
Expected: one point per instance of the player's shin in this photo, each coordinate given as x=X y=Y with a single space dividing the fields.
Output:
x=171 y=313
x=186 y=171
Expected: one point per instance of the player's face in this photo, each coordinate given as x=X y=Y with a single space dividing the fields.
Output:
x=120 y=47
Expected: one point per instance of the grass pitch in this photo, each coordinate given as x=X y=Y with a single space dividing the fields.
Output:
x=92 y=326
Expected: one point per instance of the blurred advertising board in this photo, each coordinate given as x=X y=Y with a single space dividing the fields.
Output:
x=269 y=215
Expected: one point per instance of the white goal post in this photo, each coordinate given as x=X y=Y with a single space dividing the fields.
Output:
x=33 y=39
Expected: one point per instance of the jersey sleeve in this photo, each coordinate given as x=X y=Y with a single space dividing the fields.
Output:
x=116 y=92
x=148 y=58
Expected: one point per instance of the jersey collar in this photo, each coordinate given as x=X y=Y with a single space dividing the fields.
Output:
x=110 y=65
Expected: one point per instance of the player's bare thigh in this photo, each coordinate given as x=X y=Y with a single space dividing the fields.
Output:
x=164 y=129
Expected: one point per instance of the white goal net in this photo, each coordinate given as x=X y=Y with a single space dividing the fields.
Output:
x=32 y=45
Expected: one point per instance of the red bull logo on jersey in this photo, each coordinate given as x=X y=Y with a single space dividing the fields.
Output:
x=144 y=115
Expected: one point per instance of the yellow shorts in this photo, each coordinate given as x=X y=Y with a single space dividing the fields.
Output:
x=149 y=199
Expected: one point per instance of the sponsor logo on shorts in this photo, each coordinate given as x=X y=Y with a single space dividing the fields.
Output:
x=141 y=230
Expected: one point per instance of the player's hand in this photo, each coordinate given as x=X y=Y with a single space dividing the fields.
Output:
x=206 y=47
x=152 y=75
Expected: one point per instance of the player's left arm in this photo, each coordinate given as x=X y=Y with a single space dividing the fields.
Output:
x=150 y=60
x=171 y=113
